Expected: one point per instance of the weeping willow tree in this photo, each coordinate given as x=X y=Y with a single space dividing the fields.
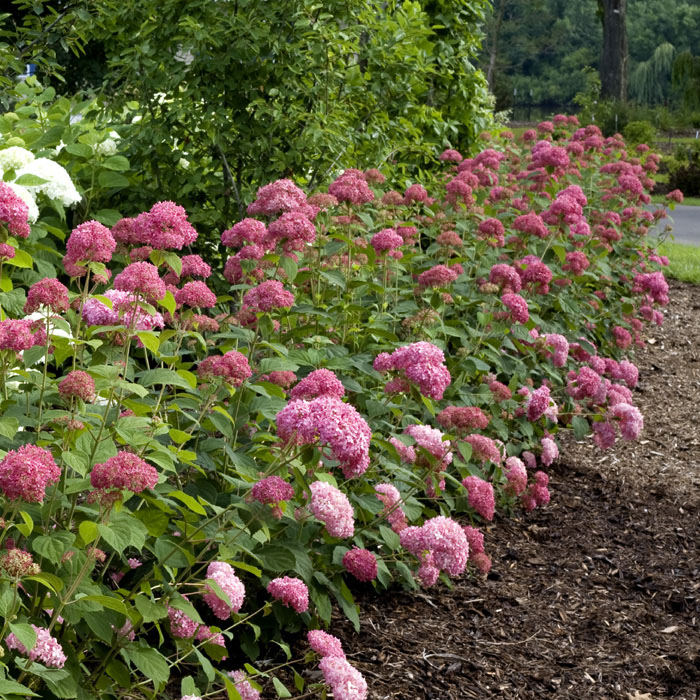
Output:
x=686 y=77
x=650 y=82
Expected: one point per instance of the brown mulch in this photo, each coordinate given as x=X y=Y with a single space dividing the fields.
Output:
x=595 y=596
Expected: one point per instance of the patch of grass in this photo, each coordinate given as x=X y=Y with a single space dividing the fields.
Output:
x=689 y=201
x=683 y=261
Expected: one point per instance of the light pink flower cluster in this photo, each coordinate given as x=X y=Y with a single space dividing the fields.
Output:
x=391 y=498
x=431 y=440
x=420 y=363
x=493 y=231
x=550 y=451
x=386 y=241
x=481 y=497
x=18 y=335
x=164 y=226
x=519 y=312
x=243 y=686
x=182 y=626
x=346 y=682
x=77 y=383
x=26 y=472
x=279 y=196
x=124 y=471
x=89 y=242
x=16 y=563
x=331 y=506
x=271 y=491
x=437 y=276
x=561 y=348
x=440 y=545
x=141 y=278
x=47 y=650
x=538 y=493
x=232 y=367
x=331 y=422
x=224 y=575
x=534 y=273
x=320 y=382
x=477 y=554
x=48 y=292
x=283 y=378
x=537 y=403
x=267 y=296
x=484 y=449
x=325 y=644
x=351 y=187
x=293 y=230
x=245 y=231
x=630 y=419
x=14 y=212
x=516 y=475
x=462 y=418
x=195 y=294
x=290 y=591
x=125 y=311
x=576 y=262
x=451 y=155
x=361 y=563
x=531 y=224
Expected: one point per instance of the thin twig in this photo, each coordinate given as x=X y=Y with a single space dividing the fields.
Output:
x=505 y=644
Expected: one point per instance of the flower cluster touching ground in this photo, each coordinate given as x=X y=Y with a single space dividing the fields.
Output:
x=211 y=452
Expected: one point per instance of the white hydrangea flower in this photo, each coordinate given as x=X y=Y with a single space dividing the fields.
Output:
x=28 y=198
x=14 y=157
x=107 y=148
x=59 y=185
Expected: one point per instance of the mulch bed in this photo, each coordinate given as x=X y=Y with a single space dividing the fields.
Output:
x=595 y=596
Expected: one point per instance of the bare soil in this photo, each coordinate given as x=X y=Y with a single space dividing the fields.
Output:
x=596 y=596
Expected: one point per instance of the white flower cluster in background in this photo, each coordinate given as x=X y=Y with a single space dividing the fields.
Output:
x=13 y=158
x=108 y=147
x=58 y=184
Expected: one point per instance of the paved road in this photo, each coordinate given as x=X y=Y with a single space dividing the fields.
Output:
x=686 y=224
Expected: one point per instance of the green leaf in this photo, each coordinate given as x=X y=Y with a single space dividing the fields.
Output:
x=152 y=664
x=155 y=520
x=110 y=179
x=108 y=602
x=29 y=180
x=190 y=502
x=21 y=259
x=53 y=547
x=181 y=603
x=116 y=536
x=179 y=436
x=13 y=688
x=150 y=340
x=276 y=557
x=27 y=526
x=163 y=376
x=9 y=427
x=119 y=163
x=187 y=686
x=51 y=581
x=281 y=689
x=88 y=531
x=290 y=268
x=581 y=427
x=108 y=217
x=150 y=611
x=25 y=634
x=168 y=302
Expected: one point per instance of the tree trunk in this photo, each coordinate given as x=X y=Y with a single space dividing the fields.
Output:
x=493 y=52
x=613 y=59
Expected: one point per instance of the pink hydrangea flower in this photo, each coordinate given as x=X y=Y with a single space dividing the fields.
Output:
x=47 y=650
x=26 y=472
x=195 y=294
x=290 y=591
x=386 y=240
x=422 y=364
x=124 y=471
x=333 y=423
x=351 y=187
x=325 y=644
x=181 y=625
x=320 y=382
x=243 y=686
x=141 y=278
x=245 y=231
x=631 y=420
x=91 y=241
x=14 y=212
x=232 y=366
x=390 y=496
x=463 y=418
x=272 y=490
x=361 y=563
x=484 y=448
x=125 y=311
x=77 y=383
x=332 y=507
x=279 y=196
x=224 y=575
x=516 y=475
x=293 y=230
x=481 y=497
x=506 y=277
x=345 y=681
x=517 y=306
x=550 y=451
x=561 y=348
x=48 y=292
x=267 y=296
x=437 y=276
x=537 y=403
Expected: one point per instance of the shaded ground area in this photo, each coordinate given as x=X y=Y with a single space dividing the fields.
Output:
x=596 y=596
